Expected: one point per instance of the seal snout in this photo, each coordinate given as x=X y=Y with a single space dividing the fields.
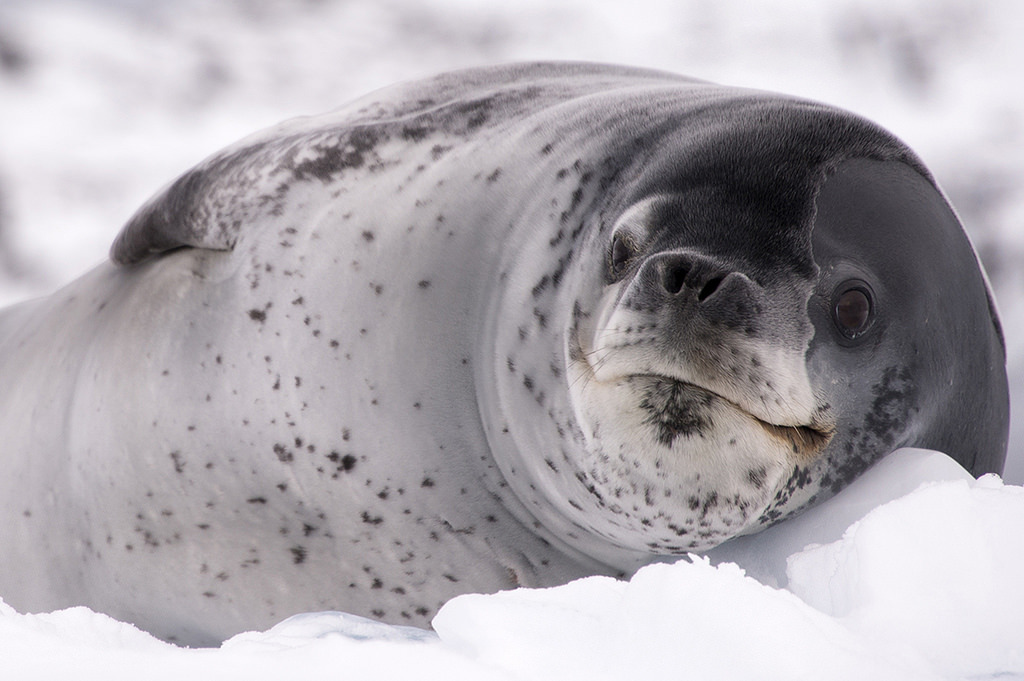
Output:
x=687 y=286
x=703 y=320
x=688 y=273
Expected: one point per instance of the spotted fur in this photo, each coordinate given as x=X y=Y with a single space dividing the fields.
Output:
x=373 y=359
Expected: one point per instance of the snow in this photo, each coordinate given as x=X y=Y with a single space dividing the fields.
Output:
x=963 y=535
x=912 y=573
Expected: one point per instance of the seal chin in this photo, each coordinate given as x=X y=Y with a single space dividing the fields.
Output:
x=806 y=441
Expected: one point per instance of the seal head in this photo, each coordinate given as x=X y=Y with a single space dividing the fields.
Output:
x=908 y=350
x=739 y=334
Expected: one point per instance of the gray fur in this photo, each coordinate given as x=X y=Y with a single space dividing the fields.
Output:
x=373 y=359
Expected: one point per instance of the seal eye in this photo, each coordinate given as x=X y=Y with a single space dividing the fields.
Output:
x=852 y=310
x=621 y=253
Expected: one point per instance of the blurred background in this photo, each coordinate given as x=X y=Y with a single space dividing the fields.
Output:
x=104 y=101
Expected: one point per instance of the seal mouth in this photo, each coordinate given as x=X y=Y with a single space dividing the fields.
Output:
x=806 y=441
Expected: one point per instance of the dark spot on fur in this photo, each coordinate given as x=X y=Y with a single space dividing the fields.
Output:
x=542 y=320
x=477 y=112
x=179 y=465
x=333 y=159
x=895 y=398
x=257 y=315
x=540 y=286
x=415 y=133
x=675 y=410
x=283 y=454
x=577 y=197
x=757 y=476
x=298 y=554
x=710 y=502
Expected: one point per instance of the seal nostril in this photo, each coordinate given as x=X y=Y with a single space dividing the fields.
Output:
x=709 y=288
x=673 y=279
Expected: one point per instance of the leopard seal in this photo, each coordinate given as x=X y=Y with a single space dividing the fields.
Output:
x=505 y=326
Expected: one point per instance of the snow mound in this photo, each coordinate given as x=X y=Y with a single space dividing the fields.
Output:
x=910 y=573
x=929 y=574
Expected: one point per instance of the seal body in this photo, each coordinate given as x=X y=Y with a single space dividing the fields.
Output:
x=507 y=326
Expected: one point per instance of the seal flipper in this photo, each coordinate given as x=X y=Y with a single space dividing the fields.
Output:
x=207 y=206
x=204 y=208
